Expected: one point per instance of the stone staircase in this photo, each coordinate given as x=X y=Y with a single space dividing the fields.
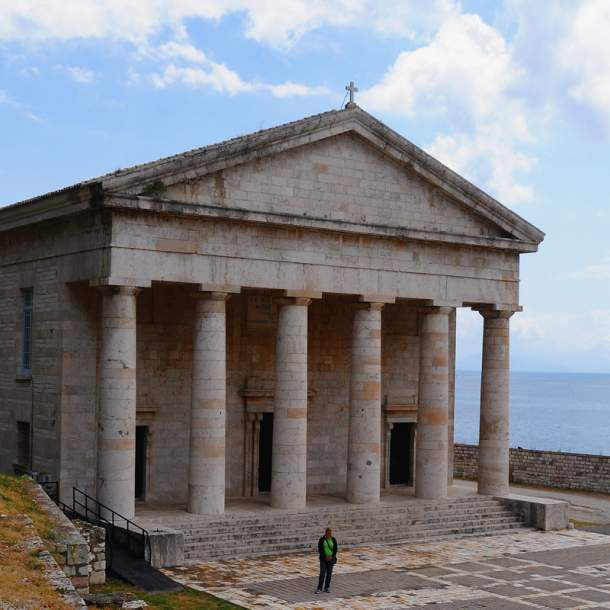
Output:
x=276 y=532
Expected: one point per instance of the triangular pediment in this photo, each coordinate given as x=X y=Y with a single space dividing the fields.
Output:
x=340 y=167
x=342 y=179
x=356 y=170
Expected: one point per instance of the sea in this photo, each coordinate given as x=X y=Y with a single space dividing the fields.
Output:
x=556 y=411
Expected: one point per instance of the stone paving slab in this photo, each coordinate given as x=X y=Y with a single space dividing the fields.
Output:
x=529 y=569
x=485 y=603
x=350 y=585
x=572 y=558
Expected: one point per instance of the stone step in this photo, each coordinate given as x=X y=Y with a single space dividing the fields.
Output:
x=279 y=532
x=381 y=530
x=472 y=501
x=397 y=522
x=356 y=512
x=338 y=520
x=204 y=553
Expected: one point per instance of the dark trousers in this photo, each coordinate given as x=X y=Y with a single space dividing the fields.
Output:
x=326 y=571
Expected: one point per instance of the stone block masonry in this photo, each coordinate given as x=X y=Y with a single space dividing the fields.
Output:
x=578 y=471
x=80 y=548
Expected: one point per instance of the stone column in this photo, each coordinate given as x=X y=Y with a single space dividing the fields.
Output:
x=289 y=458
x=494 y=425
x=432 y=415
x=117 y=406
x=363 y=463
x=208 y=405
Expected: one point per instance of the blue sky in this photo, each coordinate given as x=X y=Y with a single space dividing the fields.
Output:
x=513 y=94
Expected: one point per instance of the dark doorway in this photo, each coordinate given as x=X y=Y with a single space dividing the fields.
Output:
x=141 y=443
x=401 y=453
x=265 y=444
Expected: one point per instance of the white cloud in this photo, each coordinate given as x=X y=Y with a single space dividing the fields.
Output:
x=7 y=100
x=465 y=73
x=182 y=50
x=214 y=75
x=563 y=332
x=290 y=89
x=585 y=54
x=222 y=79
x=598 y=271
x=265 y=21
x=78 y=74
x=560 y=340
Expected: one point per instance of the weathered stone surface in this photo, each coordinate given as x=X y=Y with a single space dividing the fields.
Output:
x=117 y=410
x=289 y=462
x=208 y=406
x=166 y=548
x=542 y=513
x=363 y=466
x=432 y=426
x=494 y=421
x=563 y=470
x=337 y=208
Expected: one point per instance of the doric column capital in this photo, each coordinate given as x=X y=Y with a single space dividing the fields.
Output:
x=436 y=310
x=498 y=312
x=211 y=296
x=129 y=291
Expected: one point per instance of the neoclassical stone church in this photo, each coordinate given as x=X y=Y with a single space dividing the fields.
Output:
x=270 y=316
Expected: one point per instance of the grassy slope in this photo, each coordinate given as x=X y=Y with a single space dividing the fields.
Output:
x=22 y=581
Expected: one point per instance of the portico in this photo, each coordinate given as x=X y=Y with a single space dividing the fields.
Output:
x=267 y=310
x=302 y=338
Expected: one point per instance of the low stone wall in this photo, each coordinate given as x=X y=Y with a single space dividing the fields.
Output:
x=95 y=537
x=578 y=471
x=81 y=553
x=52 y=571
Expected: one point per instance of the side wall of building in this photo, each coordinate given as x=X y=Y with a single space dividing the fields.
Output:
x=46 y=258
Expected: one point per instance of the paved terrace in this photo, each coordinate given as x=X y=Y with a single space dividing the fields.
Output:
x=528 y=569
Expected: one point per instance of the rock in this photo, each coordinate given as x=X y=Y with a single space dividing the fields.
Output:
x=108 y=599
x=134 y=605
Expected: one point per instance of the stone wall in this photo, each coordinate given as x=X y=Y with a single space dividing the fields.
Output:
x=79 y=547
x=341 y=178
x=164 y=339
x=543 y=468
x=54 y=397
x=95 y=537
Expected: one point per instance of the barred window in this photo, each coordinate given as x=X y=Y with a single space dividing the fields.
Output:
x=27 y=302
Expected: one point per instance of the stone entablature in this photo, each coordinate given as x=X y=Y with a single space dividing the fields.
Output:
x=329 y=256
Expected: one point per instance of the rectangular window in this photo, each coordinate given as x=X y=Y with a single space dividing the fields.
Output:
x=27 y=303
x=23 y=443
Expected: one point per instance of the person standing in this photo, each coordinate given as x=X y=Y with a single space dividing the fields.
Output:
x=327 y=549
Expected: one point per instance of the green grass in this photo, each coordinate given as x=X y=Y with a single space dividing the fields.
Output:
x=15 y=498
x=22 y=580
x=188 y=599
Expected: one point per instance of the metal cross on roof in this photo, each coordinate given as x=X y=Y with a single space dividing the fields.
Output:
x=352 y=89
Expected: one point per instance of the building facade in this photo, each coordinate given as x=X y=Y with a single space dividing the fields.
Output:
x=275 y=313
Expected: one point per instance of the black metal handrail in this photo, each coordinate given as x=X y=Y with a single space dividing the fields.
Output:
x=122 y=530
